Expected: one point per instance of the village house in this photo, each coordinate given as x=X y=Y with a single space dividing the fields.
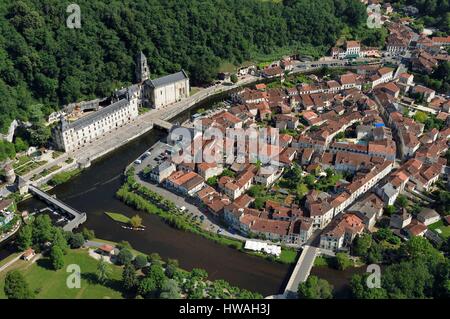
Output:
x=208 y=170
x=427 y=93
x=369 y=209
x=162 y=171
x=185 y=183
x=320 y=210
x=341 y=232
x=428 y=216
x=415 y=228
x=393 y=186
x=234 y=188
x=441 y=41
x=28 y=254
x=383 y=75
x=401 y=220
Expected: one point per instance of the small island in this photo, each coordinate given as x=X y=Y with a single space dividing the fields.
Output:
x=134 y=222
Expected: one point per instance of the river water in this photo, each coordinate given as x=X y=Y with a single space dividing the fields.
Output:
x=93 y=192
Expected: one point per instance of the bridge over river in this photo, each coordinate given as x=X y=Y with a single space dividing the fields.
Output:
x=301 y=271
x=78 y=218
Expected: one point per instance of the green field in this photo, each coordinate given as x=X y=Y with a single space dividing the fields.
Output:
x=50 y=284
x=445 y=230
x=118 y=217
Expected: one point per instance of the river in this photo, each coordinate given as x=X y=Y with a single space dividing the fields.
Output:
x=93 y=192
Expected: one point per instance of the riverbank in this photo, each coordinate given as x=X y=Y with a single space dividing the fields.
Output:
x=325 y=268
x=140 y=197
x=46 y=283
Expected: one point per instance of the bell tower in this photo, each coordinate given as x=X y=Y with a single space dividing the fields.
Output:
x=142 y=71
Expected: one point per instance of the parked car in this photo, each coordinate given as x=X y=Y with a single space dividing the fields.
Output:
x=138 y=162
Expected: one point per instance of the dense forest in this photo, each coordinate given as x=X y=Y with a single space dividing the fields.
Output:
x=44 y=62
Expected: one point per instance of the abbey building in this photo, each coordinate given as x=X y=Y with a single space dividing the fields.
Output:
x=80 y=125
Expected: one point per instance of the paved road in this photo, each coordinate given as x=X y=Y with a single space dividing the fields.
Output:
x=181 y=201
x=9 y=263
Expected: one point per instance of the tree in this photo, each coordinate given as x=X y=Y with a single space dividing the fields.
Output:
x=88 y=234
x=171 y=268
x=16 y=287
x=129 y=278
x=60 y=240
x=7 y=150
x=342 y=261
x=361 y=244
x=123 y=244
x=140 y=261
x=170 y=290
x=234 y=78
x=39 y=134
x=199 y=274
x=421 y=248
x=389 y=210
x=315 y=288
x=408 y=279
x=136 y=221
x=57 y=257
x=387 y=235
x=152 y=283
x=302 y=190
x=402 y=201
x=420 y=117
x=20 y=145
x=103 y=271
x=374 y=254
x=25 y=237
x=42 y=229
x=125 y=256
x=76 y=240
x=310 y=180
x=155 y=258
x=360 y=290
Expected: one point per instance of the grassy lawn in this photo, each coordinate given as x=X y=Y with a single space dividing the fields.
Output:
x=118 y=217
x=288 y=256
x=444 y=230
x=8 y=259
x=50 y=284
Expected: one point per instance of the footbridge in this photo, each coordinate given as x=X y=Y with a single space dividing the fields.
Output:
x=162 y=124
x=77 y=217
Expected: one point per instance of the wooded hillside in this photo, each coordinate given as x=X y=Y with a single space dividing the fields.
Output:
x=43 y=61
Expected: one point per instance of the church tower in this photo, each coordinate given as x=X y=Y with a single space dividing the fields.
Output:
x=142 y=72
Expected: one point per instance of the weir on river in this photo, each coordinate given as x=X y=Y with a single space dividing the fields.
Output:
x=77 y=217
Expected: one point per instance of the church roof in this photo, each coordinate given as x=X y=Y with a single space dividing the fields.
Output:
x=168 y=79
